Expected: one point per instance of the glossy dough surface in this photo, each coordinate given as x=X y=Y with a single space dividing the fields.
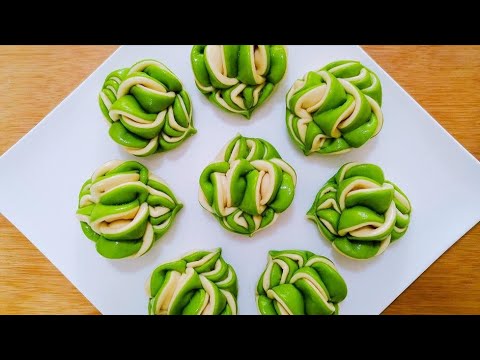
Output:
x=334 y=109
x=360 y=212
x=297 y=282
x=147 y=108
x=199 y=283
x=238 y=78
x=247 y=186
x=124 y=209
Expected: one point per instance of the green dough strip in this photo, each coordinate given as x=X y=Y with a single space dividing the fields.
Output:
x=125 y=209
x=238 y=78
x=334 y=109
x=147 y=107
x=247 y=186
x=199 y=283
x=360 y=212
x=297 y=282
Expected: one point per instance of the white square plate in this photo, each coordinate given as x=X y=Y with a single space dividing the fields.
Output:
x=42 y=174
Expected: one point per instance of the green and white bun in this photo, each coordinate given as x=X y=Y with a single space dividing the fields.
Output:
x=199 y=283
x=247 y=186
x=334 y=109
x=147 y=107
x=360 y=212
x=238 y=78
x=124 y=209
x=298 y=282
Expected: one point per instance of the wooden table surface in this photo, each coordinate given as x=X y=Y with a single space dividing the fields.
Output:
x=445 y=80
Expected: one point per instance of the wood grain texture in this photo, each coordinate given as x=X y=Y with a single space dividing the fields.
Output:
x=443 y=79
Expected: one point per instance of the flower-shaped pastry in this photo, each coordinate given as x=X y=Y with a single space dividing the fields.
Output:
x=124 y=209
x=247 y=186
x=199 y=283
x=147 y=107
x=299 y=282
x=238 y=78
x=360 y=212
x=334 y=109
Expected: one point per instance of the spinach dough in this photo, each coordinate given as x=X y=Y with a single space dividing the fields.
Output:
x=360 y=212
x=297 y=282
x=124 y=209
x=199 y=283
x=147 y=107
x=247 y=186
x=238 y=78
x=334 y=109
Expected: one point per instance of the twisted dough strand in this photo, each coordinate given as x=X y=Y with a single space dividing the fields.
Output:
x=124 y=209
x=334 y=109
x=247 y=186
x=238 y=78
x=147 y=107
x=360 y=212
x=199 y=283
x=297 y=282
